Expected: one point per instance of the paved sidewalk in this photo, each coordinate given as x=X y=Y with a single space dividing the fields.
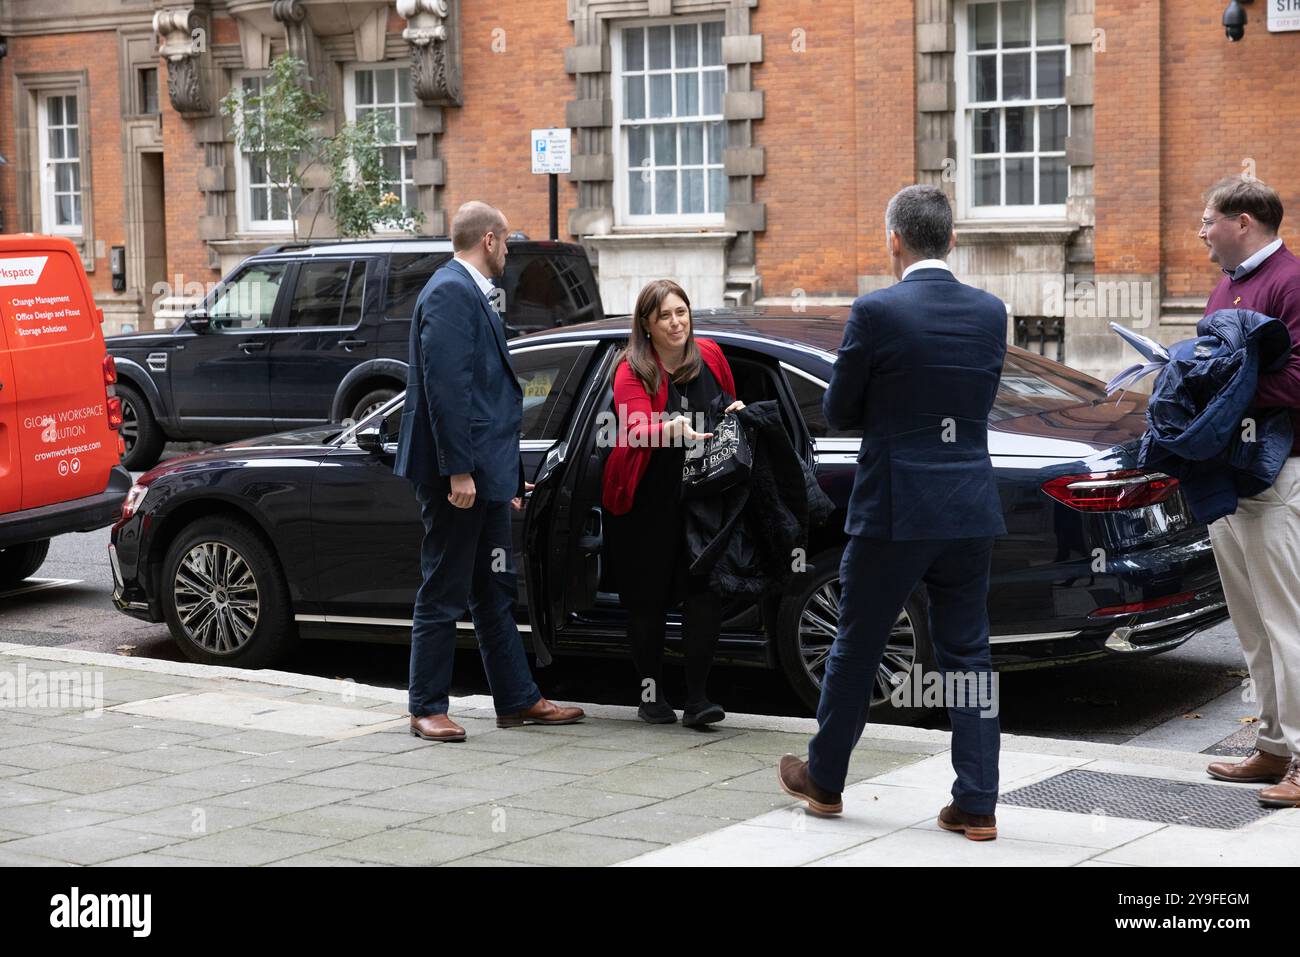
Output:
x=193 y=765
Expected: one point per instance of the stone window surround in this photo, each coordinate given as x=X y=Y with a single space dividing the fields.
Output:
x=591 y=117
x=961 y=100
x=219 y=226
x=622 y=215
x=1064 y=242
x=28 y=87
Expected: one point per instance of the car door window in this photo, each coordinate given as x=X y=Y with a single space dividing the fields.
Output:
x=328 y=293
x=808 y=396
x=550 y=377
x=247 y=302
x=408 y=273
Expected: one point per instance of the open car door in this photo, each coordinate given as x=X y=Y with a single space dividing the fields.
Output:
x=563 y=524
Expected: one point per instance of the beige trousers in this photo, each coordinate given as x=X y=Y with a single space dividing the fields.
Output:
x=1257 y=550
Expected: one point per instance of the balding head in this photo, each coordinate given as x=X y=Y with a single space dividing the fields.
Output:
x=472 y=222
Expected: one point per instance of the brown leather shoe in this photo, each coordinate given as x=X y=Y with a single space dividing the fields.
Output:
x=976 y=827
x=1286 y=793
x=436 y=727
x=798 y=783
x=544 y=712
x=1260 y=768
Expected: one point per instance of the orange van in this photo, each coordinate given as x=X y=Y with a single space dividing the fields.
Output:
x=60 y=447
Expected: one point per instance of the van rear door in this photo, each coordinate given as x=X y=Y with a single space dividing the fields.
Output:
x=57 y=351
x=11 y=478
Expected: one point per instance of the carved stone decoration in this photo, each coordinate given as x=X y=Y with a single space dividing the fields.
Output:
x=431 y=32
x=302 y=42
x=182 y=41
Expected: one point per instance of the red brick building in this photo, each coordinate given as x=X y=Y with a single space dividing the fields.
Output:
x=745 y=147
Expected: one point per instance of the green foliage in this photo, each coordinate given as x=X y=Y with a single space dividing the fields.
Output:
x=281 y=128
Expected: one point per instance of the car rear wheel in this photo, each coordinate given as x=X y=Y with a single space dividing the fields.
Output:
x=370 y=403
x=141 y=434
x=806 y=627
x=21 y=561
x=224 y=596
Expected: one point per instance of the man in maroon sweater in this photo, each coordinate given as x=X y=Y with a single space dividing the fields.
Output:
x=1258 y=547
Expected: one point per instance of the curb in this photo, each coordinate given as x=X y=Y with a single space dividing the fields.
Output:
x=881 y=736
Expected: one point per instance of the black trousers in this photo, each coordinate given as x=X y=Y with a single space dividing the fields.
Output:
x=648 y=550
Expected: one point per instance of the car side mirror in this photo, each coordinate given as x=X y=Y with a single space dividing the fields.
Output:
x=198 y=320
x=370 y=440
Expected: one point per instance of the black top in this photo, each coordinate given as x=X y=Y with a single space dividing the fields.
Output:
x=662 y=480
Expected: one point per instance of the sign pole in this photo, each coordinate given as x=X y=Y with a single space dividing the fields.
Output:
x=555 y=207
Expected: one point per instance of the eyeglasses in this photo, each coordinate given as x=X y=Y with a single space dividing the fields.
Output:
x=1207 y=223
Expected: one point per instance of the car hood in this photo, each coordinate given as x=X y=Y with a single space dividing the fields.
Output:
x=140 y=340
x=1079 y=430
x=281 y=445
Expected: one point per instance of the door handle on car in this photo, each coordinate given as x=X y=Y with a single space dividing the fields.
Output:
x=251 y=347
x=347 y=344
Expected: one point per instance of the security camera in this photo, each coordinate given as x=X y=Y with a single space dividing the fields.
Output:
x=1234 y=21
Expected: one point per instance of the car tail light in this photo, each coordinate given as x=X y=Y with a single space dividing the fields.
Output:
x=133 y=499
x=1111 y=491
x=114 y=412
x=1137 y=607
x=110 y=370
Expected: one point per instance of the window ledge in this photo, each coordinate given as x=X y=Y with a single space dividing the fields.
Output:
x=648 y=236
x=1041 y=231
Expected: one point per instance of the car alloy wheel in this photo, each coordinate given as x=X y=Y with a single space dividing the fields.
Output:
x=216 y=597
x=818 y=623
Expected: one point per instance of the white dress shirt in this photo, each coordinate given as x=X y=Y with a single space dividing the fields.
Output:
x=926 y=264
x=483 y=282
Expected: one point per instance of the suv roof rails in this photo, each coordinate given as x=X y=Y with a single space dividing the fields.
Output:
x=341 y=241
x=271 y=250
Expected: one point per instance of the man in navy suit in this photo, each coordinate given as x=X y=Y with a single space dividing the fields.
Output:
x=459 y=444
x=917 y=371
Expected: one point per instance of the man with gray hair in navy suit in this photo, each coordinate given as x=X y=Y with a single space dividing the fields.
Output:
x=917 y=372
x=459 y=444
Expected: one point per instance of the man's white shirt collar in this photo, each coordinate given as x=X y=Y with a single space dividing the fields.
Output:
x=1255 y=261
x=484 y=284
x=926 y=264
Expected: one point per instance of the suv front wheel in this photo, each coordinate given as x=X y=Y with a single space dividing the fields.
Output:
x=141 y=434
x=224 y=596
x=370 y=403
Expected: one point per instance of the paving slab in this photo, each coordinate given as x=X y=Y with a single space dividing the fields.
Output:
x=560 y=847
x=87 y=845
x=250 y=846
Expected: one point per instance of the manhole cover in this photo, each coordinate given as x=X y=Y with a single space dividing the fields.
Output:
x=1142 y=799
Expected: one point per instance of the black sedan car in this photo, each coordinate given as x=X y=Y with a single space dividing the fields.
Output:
x=245 y=548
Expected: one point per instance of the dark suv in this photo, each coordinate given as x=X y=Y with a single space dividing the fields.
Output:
x=304 y=334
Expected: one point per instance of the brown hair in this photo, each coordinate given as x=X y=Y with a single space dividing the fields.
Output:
x=640 y=352
x=472 y=222
x=1236 y=195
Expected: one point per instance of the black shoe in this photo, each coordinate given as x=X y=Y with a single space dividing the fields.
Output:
x=656 y=712
x=701 y=713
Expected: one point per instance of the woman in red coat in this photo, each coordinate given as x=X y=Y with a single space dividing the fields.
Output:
x=663 y=383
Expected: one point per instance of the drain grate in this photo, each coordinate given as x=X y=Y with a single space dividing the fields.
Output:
x=1143 y=799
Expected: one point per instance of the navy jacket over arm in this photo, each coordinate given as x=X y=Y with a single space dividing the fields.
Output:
x=918 y=372
x=463 y=405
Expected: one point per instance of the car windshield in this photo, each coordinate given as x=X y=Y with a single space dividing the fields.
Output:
x=1033 y=384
